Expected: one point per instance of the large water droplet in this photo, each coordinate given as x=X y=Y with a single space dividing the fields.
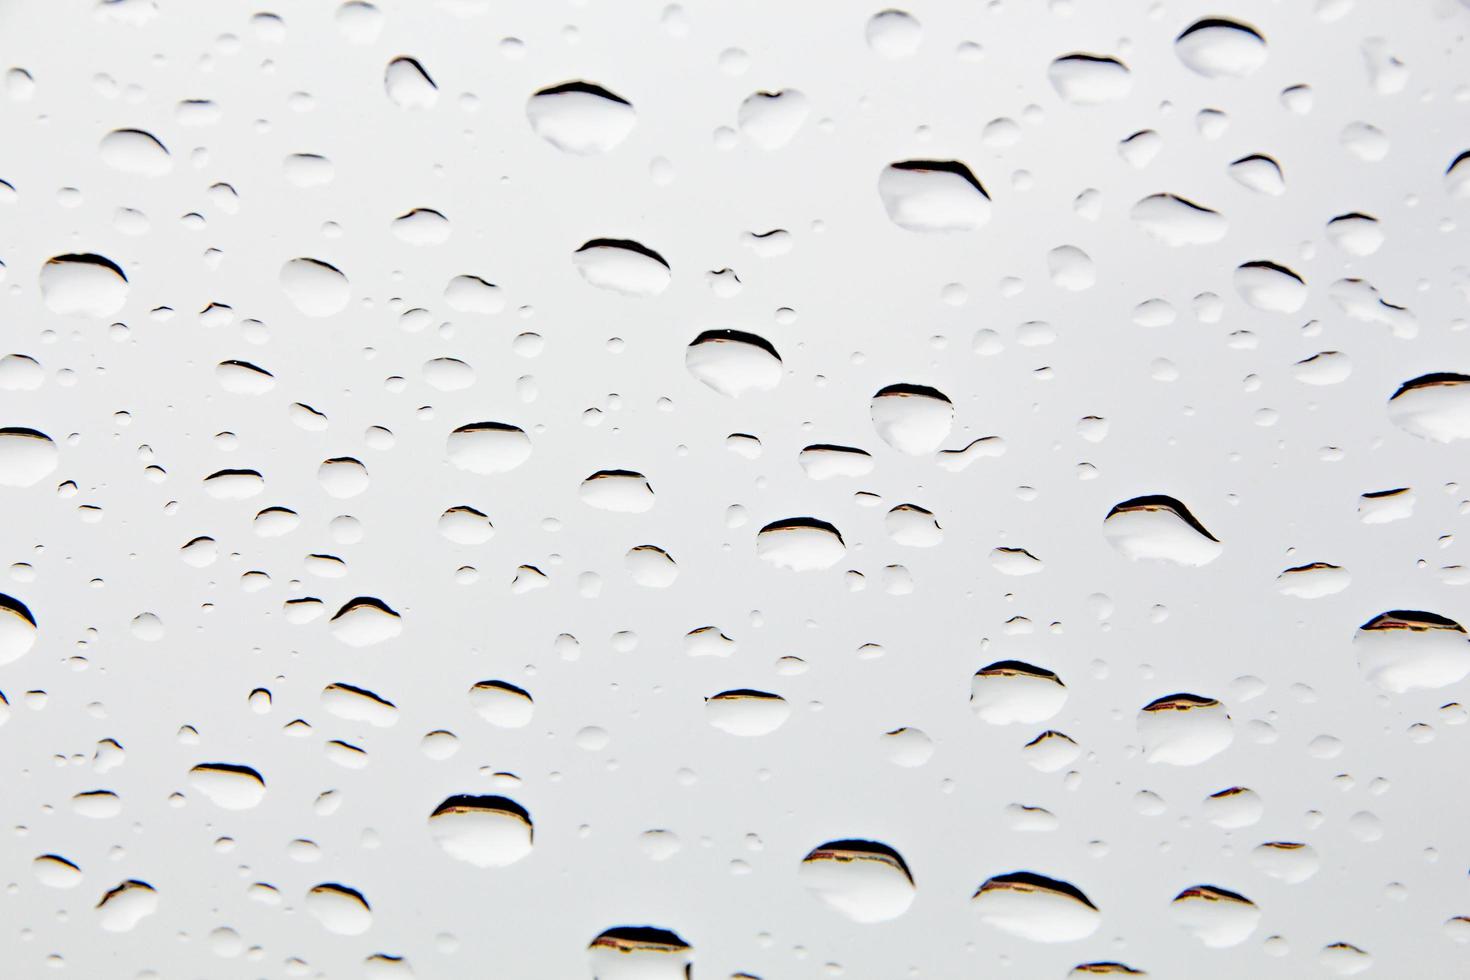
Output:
x=1158 y=527
x=1219 y=48
x=26 y=457
x=1184 y=729
x=228 y=786
x=83 y=285
x=913 y=419
x=580 y=117
x=1410 y=650
x=1034 y=907
x=933 y=195
x=800 y=544
x=734 y=363
x=486 y=831
x=865 y=880
x=314 y=287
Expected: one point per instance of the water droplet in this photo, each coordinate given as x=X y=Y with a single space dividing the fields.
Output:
x=134 y=151
x=83 y=285
x=228 y=786
x=580 y=117
x=486 y=831
x=1160 y=528
x=26 y=457
x=734 y=363
x=1409 y=650
x=800 y=544
x=314 y=287
x=1090 y=79
x=1216 y=917
x=1037 y=908
x=746 y=712
x=913 y=419
x=865 y=880
x=1219 y=48
x=1184 y=729
x=933 y=196
x=487 y=448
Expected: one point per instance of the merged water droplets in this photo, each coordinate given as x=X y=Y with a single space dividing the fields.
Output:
x=580 y=117
x=867 y=881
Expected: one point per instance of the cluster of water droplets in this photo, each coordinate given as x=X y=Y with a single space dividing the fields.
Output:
x=560 y=467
